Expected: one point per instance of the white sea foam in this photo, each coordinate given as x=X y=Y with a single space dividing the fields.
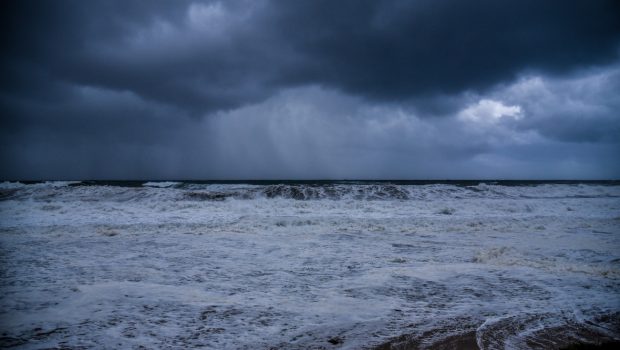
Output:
x=161 y=184
x=256 y=266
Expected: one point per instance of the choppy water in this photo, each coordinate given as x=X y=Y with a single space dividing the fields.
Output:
x=295 y=265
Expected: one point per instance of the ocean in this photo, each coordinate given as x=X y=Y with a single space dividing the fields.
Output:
x=309 y=264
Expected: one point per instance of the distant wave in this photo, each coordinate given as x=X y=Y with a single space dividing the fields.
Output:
x=402 y=192
x=364 y=191
x=162 y=184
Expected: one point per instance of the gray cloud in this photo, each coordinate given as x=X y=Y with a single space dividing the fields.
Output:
x=276 y=89
x=581 y=109
x=312 y=132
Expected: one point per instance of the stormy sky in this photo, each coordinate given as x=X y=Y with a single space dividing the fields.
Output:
x=419 y=89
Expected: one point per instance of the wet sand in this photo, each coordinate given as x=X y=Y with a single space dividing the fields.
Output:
x=569 y=337
x=468 y=342
x=465 y=341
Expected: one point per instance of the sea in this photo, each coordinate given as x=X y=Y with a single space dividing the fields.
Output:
x=309 y=264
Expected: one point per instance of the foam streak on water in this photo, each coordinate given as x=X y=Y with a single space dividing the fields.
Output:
x=246 y=266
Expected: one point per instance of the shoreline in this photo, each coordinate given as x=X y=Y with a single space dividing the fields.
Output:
x=588 y=336
x=467 y=341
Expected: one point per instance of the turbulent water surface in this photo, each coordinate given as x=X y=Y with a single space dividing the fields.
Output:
x=308 y=265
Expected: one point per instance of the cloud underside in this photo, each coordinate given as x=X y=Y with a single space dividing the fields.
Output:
x=270 y=89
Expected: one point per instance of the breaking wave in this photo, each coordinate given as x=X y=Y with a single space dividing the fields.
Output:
x=358 y=190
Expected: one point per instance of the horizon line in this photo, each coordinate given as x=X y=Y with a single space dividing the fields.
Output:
x=316 y=180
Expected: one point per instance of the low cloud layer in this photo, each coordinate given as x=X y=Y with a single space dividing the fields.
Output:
x=279 y=89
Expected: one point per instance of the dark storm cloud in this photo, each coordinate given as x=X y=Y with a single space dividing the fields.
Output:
x=171 y=88
x=395 y=49
x=387 y=50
